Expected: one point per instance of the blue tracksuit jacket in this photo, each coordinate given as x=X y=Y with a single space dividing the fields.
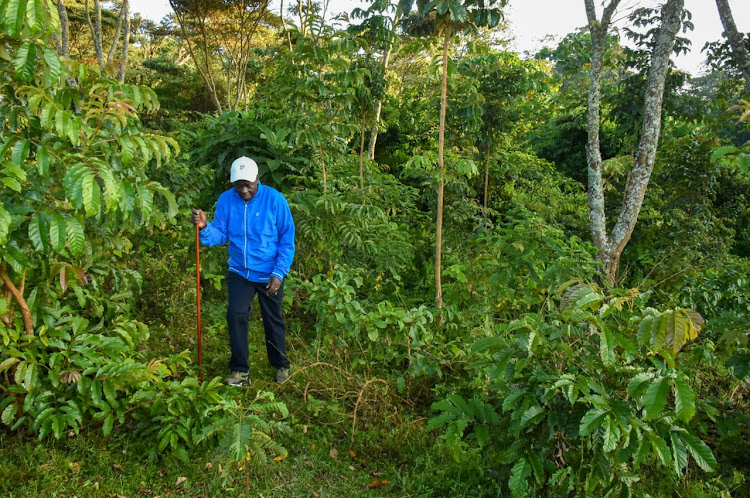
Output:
x=260 y=233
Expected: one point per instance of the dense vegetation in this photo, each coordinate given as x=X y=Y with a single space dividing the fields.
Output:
x=454 y=329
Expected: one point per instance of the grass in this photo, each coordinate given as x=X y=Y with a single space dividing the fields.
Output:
x=329 y=454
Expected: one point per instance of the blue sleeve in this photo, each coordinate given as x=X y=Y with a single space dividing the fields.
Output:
x=216 y=232
x=285 y=248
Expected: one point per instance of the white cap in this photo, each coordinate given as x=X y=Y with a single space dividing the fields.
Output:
x=244 y=168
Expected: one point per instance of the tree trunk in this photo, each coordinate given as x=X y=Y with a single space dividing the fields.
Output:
x=611 y=246
x=362 y=153
x=379 y=103
x=598 y=31
x=116 y=37
x=736 y=39
x=96 y=30
x=205 y=72
x=441 y=168
x=64 y=28
x=125 y=41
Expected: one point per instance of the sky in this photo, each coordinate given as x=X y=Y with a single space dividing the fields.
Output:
x=536 y=23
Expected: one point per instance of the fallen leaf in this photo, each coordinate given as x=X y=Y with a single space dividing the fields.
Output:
x=334 y=453
x=352 y=454
x=96 y=485
x=377 y=484
x=74 y=467
x=117 y=466
x=145 y=491
x=209 y=465
x=304 y=429
x=314 y=495
x=375 y=473
x=309 y=464
x=351 y=467
x=180 y=480
x=278 y=458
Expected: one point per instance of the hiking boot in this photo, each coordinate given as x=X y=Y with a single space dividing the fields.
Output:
x=282 y=375
x=238 y=379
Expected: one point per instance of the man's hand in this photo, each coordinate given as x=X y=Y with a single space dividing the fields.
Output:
x=198 y=218
x=273 y=286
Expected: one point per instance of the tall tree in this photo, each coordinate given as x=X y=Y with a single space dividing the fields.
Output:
x=447 y=17
x=612 y=244
x=219 y=35
x=736 y=39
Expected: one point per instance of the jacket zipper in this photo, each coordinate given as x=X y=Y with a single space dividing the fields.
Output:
x=244 y=249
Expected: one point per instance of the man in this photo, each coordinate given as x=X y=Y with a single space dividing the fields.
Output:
x=256 y=221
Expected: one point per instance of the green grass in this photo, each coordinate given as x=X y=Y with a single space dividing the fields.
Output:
x=323 y=456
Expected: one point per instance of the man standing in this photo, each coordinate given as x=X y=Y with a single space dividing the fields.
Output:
x=257 y=223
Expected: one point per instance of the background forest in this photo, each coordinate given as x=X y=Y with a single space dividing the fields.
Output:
x=514 y=276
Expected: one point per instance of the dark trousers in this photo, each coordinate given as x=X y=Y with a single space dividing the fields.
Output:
x=241 y=294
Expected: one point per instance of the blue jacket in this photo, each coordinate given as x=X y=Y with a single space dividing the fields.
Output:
x=260 y=233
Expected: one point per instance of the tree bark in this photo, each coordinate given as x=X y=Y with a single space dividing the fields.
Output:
x=379 y=102
x=441 y=169
x=96 y=30
x=598 y=30
x=611 y=246
x=736 y=39
x=64 y=28
x=116 y=37
x=205 y=72
x=125 y=41
x=362 y=153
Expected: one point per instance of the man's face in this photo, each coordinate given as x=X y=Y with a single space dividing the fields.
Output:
x=246 y=189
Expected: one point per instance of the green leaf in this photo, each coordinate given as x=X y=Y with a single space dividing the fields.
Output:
x=656 y=397
x=42 y=161
x=9 y=414
x=25 y=61
x=20 y=152
x=52 y=67
x=607 y=343
x=15 y=257
x=127 y=151
x=39 y=232
x=109 y=422
x=591 y=421
x=16 y=12
x=146 y=198
x=57 y=232
x=11 y=182
x=684 y=399
x=91 y=194
x=700 y=452
x=517 y=482
x=679 y=452
x=532 y=415
x=639 y=383
x=111 y=186
x=5 y=221
x=660 y=448
x=720 y=152
x=659 y=331
x=76 y=237
x=612 y=434
x=537 y=465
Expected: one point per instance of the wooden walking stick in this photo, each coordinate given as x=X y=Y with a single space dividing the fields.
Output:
x=198 y=288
